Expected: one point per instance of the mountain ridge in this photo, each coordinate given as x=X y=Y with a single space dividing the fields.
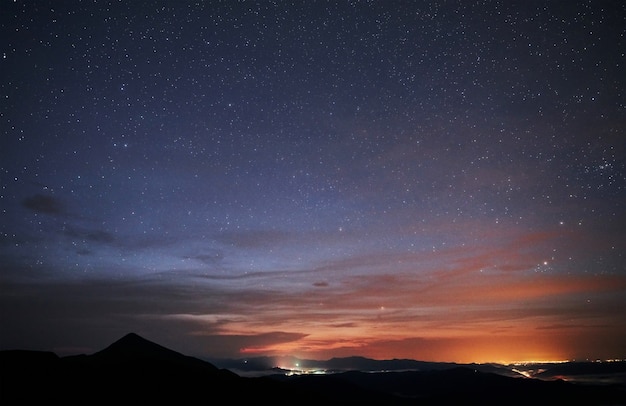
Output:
x=257 y=366
x=136 y=371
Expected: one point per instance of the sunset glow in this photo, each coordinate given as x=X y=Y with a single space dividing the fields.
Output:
x=442 y=181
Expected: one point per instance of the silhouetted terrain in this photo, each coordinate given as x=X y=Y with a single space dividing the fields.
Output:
x=583 y=368
x=135 y=371
x=258 y=366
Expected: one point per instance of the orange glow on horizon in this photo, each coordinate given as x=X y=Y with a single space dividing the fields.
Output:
x=505 y=349
x=456 y=305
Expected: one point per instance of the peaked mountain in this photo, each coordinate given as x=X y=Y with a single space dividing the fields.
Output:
x=132 y=370
x=133 y=348
x=133 y=345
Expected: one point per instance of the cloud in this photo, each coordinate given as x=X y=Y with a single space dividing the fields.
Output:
x=44 y=204
x=62 y=308
x=562 y=326
x=344 y=325
x=321 y=284
x=249 y=344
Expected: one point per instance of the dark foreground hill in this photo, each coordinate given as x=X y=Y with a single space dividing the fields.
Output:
x=135 y=371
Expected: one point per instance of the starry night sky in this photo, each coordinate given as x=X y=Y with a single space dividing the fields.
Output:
x=441 y=180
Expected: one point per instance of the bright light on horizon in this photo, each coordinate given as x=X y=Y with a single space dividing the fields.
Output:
x=532 y=362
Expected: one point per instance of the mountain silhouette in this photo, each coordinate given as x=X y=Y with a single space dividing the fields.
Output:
x=136 y=371
x=133 y=345
x=133 y=348
x=132 y=371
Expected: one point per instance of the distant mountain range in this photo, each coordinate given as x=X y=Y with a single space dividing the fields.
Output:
x=258 y=366
x=135 y=371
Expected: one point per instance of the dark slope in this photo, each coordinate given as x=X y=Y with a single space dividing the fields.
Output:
x=463 y=385
x=26 y=375
x=456 y=386
x=135 y=371
x=583 y=368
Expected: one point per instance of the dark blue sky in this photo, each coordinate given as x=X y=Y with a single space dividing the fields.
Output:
x=380 y=178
